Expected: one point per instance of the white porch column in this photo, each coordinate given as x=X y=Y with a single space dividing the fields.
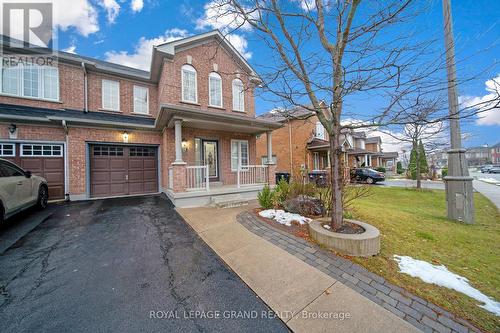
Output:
x=366 y=160
x=269 y=147
x=178 y=141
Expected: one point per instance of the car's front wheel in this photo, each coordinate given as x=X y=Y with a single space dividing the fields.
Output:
x=369 y=180
x=43 y=196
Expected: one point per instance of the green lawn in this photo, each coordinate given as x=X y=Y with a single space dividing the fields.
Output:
x=414 y=223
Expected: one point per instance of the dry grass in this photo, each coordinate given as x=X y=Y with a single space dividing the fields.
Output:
x=414 y=223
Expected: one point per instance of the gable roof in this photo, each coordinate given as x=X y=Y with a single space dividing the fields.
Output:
x=373 y=139
x=168 y=49
x=280 y=115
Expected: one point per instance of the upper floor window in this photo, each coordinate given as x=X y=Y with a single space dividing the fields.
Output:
x=141 y=100
x=189 y=85
x=238 y=95
x=41 y=82
x=215 y=90
x=320 y=131
x=111 y=95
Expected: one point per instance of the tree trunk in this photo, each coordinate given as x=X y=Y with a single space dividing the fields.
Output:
x=336 y=180
x=417 y=165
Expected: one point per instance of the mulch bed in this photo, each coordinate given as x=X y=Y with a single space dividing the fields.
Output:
x=295 y=229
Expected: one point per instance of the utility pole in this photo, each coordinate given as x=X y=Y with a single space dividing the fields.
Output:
x=459 y=192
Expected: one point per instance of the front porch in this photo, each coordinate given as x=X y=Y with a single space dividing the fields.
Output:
x=215 y=155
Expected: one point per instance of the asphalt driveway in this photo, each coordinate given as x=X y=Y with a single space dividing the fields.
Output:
x=122 y=265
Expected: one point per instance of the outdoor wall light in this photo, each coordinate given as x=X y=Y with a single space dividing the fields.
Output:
x=12 y=128
x=184 y=145
x=125 y=137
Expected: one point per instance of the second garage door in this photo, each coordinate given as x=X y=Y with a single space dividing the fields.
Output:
x=123 y=170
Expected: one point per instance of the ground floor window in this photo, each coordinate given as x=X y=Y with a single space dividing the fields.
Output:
x=239 y=154
x=316 y=161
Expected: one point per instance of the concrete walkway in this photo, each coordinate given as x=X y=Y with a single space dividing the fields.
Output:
x=490 y=191
x=301 y=295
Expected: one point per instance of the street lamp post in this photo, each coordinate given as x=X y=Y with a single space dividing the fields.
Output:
x=459 y=192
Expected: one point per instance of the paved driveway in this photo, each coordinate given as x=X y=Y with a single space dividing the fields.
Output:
x=105 y=266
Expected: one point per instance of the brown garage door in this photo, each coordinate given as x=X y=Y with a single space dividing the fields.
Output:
x=42 y=159
x=123 y=170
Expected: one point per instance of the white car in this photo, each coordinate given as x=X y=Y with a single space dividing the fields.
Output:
x=20 y=190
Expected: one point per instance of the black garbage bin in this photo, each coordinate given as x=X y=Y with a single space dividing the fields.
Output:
x=282 y=175
x=318 y=177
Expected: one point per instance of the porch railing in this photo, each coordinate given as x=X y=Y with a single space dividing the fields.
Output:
x=197 y=178
x=252 y=175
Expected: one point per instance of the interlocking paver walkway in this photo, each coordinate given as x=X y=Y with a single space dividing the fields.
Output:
x=424 y=315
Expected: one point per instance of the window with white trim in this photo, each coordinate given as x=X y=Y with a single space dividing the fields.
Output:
x=41 y=150
x=215 y=90
x=7 y=149
x=40 y=82
x=238 y=95
x=320 y=131
x=141 y=100
x=239 y=154
x=111 y=95
x=189 y=84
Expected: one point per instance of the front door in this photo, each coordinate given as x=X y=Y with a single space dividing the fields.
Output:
x=210 y=156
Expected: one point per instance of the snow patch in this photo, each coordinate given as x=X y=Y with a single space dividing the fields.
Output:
x=441 y=276
x=283 y=217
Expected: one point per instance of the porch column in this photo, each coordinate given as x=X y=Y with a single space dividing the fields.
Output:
x=269 y=137
x=178 y=168
x=178 y=141
x=271 y=167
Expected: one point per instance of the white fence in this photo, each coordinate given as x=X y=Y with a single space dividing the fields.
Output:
x=252 y=175
x=197 y=178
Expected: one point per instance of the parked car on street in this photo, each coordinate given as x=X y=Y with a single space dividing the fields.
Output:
x=486 y=168
x=367 y=175
x=494 y=169
x=19 y=190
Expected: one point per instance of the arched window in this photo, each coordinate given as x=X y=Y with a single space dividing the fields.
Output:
x=215 y=90
x=238 y=96
x=189 y=84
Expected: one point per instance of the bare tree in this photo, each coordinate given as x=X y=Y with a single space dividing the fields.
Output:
x=423 y=123
x=323 y=52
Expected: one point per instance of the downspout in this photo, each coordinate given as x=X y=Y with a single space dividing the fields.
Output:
x=85 y=89
x=66 y=174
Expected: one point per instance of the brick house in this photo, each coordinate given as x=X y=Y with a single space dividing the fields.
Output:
x=301 y=145
x=495 y=153
x=95 y=129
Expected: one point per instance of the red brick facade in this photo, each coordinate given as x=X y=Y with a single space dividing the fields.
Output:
x=205 y=58
x=290 y=145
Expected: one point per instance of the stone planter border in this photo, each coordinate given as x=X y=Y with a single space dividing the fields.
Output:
x=365 y=244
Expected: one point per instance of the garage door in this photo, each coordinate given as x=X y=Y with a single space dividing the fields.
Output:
x=123 y=170
x=42 y=159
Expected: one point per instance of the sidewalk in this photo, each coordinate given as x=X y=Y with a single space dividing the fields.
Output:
x=287 y=284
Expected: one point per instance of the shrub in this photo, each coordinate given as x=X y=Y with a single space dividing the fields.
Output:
x=380 y=169
x=281 y=192
x=444 y=172
x=399 y=168
x=266 y=197
x=325 y=195
x=296 y=189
